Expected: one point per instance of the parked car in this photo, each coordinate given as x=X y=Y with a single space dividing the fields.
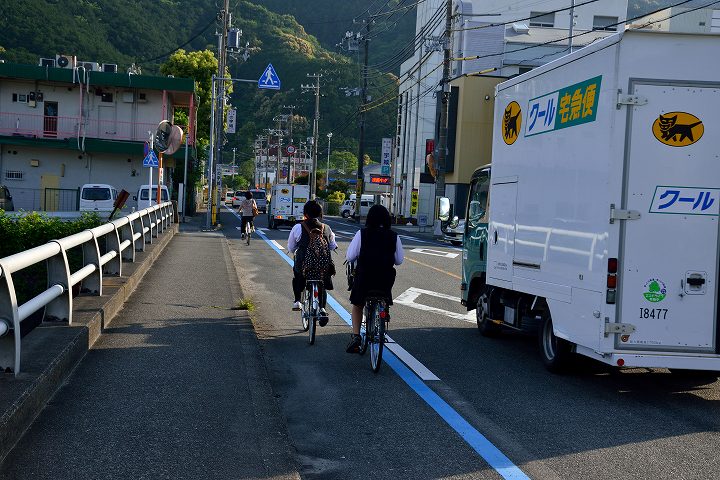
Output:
x=347 y=208
x=238 y=198
x=6 y=201
x=147 y=198
x=97 y=197
x=229 y=197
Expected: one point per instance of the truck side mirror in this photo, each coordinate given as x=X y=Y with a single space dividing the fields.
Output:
x=454 y=222
x=443 y=209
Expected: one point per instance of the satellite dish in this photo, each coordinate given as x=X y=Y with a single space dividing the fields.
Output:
x=168 y=138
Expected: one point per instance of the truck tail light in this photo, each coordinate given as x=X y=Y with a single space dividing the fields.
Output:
x=611 y=294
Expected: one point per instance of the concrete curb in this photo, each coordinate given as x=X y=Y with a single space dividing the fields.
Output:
x=52 y=351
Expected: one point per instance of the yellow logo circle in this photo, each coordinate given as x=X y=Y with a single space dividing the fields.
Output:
x=511 y=123
x=678 y=129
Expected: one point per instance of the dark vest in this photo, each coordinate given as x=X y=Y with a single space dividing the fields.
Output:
x=377 y=253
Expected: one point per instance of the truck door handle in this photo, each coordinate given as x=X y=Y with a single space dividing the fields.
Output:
x=695 y=281
x=496 y=238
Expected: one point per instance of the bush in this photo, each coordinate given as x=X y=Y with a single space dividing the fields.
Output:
x=333 y=208
x=336 y=197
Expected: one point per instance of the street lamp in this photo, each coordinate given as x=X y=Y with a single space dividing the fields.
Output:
x=327 y=172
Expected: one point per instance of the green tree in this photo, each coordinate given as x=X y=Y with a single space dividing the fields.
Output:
x=200 y=66
x=343 y=160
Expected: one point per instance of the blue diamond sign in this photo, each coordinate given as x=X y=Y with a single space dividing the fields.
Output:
x=269 y=79
x=151 y=160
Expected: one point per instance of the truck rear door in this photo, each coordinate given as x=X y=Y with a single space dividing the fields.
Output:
x=669 y=261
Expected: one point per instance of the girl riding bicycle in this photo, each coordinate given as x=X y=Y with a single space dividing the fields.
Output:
x=248 y=209
x=377 y=249
x=298 y=242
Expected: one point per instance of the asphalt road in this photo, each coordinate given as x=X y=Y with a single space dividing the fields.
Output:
x=492 y=411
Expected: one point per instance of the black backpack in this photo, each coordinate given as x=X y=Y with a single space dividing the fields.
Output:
x=316 y=263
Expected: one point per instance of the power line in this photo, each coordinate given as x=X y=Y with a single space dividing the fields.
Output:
x=194 y=37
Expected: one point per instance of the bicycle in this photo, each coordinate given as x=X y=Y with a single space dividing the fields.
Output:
x=310 y=307
x=248 y=231
x=376 y=316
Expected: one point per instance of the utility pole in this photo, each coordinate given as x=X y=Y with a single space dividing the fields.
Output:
x=327 y=171
x=444 y=108
x=316 y=126
x=291 y=157
x=364 y=100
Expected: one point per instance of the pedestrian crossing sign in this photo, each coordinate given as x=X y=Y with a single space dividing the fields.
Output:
x=269 y=79
x=151 y=160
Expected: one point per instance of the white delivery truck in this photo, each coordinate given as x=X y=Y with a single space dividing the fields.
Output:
x=604 y=195
x=286 y=204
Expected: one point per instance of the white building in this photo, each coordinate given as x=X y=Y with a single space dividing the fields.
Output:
x=685 y=19
x=516 y=46
x=61 y=128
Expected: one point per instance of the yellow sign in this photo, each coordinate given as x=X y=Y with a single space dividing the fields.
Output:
x=512 y=121
x=678 y=129
x=284 y=191
x=413 y=202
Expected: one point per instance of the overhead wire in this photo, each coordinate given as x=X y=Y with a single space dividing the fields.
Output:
x=188 y=42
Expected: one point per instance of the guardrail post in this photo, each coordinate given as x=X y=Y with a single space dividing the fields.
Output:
x=126 y=233
x=91 y=255
x=10 y=341
x=139 y=226
x=160 y=220
x=112 y=241
x=154 y=217
x=58 y=271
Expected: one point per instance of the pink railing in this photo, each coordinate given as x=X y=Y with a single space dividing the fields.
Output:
x=41 y=126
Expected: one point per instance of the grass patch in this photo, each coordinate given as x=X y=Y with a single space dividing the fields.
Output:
x=245 y=304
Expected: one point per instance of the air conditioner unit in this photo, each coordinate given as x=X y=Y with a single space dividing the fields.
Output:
x=89 y=66
x=65 y=61
x=109 y=67
x=47 y=62
x=128 y=97
x=141 y=97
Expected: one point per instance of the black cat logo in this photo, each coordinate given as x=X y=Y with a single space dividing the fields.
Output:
x=678 y=129
x=512 y=121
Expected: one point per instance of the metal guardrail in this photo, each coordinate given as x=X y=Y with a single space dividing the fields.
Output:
x=122 y=238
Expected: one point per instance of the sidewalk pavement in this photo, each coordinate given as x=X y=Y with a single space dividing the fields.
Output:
x=176 y=386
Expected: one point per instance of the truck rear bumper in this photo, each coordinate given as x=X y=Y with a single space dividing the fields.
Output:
x=690 y=361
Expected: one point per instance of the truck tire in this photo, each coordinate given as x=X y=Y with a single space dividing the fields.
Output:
x=345 y=213
x=486 y=327
x=556 y=352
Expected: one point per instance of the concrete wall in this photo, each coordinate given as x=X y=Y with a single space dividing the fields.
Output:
x=67 y=169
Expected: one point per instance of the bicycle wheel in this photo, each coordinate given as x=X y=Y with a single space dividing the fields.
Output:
x=377 y=338
x=364 y=332
x=304 y=312
x=312 y=312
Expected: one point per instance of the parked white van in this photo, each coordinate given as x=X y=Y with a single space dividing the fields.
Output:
x=97 y=197
x=147 y=197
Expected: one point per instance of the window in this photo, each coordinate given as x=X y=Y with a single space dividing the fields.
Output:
x=98 y=193
x=605 y=23
x=542 y=19
x=163 y=194
x=106 y=97
x=258 y=195
x=477 y=211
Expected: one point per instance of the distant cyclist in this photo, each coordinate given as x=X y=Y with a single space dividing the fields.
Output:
x=247 y=209
x=298 y=243
x=377 y=249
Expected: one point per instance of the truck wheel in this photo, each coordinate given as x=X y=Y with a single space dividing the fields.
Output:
x=556 y=352
x=486 y=327
x=345 y=214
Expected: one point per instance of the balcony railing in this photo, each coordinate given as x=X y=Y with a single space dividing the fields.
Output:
x=42 y=126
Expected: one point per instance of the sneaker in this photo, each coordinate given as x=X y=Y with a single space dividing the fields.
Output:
x=297 y=306
x=323 y=317
x=354 y=345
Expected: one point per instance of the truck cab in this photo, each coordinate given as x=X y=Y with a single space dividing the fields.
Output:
x=474 y=262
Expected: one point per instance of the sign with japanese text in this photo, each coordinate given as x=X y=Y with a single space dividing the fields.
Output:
x=380 y=179
x=686 y=200
x=413 y=202
x=567 y=107
x=386 y=156
x=231 y=120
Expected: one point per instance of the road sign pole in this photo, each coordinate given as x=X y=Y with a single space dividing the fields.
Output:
x=150 y=180
x=160 y=179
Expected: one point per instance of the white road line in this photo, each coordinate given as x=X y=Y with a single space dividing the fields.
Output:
x=434 y=253
x=274 y=242
x=409 y=297
x=346 y=232
x=413 y=363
